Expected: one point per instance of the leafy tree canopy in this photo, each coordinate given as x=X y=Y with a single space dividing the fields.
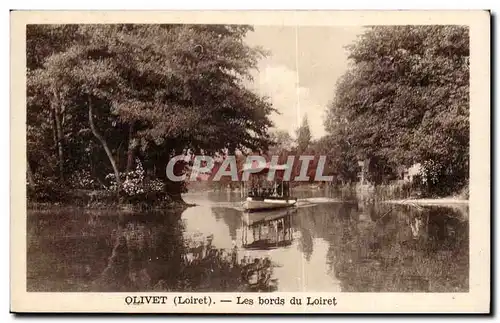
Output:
x=405 y=99
x=171 y=88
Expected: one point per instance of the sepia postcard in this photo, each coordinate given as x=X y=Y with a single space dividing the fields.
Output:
x=250 y=161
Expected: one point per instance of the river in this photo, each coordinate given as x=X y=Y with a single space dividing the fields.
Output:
x=325 y=245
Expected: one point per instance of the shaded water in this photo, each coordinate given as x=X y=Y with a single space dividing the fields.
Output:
x=349 y=246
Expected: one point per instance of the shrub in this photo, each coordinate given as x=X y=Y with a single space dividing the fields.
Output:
x=82 y=179
x=135 y=187
x=46 y=190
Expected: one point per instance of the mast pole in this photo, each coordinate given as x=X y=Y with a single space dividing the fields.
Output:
x=297 y=80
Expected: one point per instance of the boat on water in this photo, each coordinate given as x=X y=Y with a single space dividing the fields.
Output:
x=260 y=203
x=264 y=195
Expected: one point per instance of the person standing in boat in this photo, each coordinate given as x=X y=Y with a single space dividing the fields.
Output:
x=279 y=189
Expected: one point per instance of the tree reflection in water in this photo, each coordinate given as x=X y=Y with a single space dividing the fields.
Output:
x=161 y=259
x=355 y=247
x=409 y=249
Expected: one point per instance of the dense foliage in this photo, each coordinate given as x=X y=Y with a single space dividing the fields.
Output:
x=100 y=96
x=404 y=100
x=303 y=135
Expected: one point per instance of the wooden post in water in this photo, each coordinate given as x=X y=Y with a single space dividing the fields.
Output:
x=277 y=234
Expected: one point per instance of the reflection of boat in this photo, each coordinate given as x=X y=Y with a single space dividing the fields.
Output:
x=267 y=216
x=268 y=230
x=266 y=194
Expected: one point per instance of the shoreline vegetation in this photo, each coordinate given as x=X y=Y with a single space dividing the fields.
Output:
x=106 y=200
x=173 y=206
x=436 y=201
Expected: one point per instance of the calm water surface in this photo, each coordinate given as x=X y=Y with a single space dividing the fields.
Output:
x=348 y=246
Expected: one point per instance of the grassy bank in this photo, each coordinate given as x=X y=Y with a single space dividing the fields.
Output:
x=398 y=193
x=106 y=200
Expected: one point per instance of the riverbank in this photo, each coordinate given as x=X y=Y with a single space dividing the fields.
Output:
x=459 y=205
x=428 y=201
x=106 y=200
x=177 y=206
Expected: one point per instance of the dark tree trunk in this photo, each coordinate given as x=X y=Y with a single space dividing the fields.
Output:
x=173 y=189
x=105 y=146
x=132 y=146
x=29 y=174
x=60 y=149
x=54 y=131
x=59 y=138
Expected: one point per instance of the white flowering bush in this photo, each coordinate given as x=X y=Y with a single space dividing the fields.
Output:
x=134 y=183
x=438 y=179
x=431 y=170
x=82 y=179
